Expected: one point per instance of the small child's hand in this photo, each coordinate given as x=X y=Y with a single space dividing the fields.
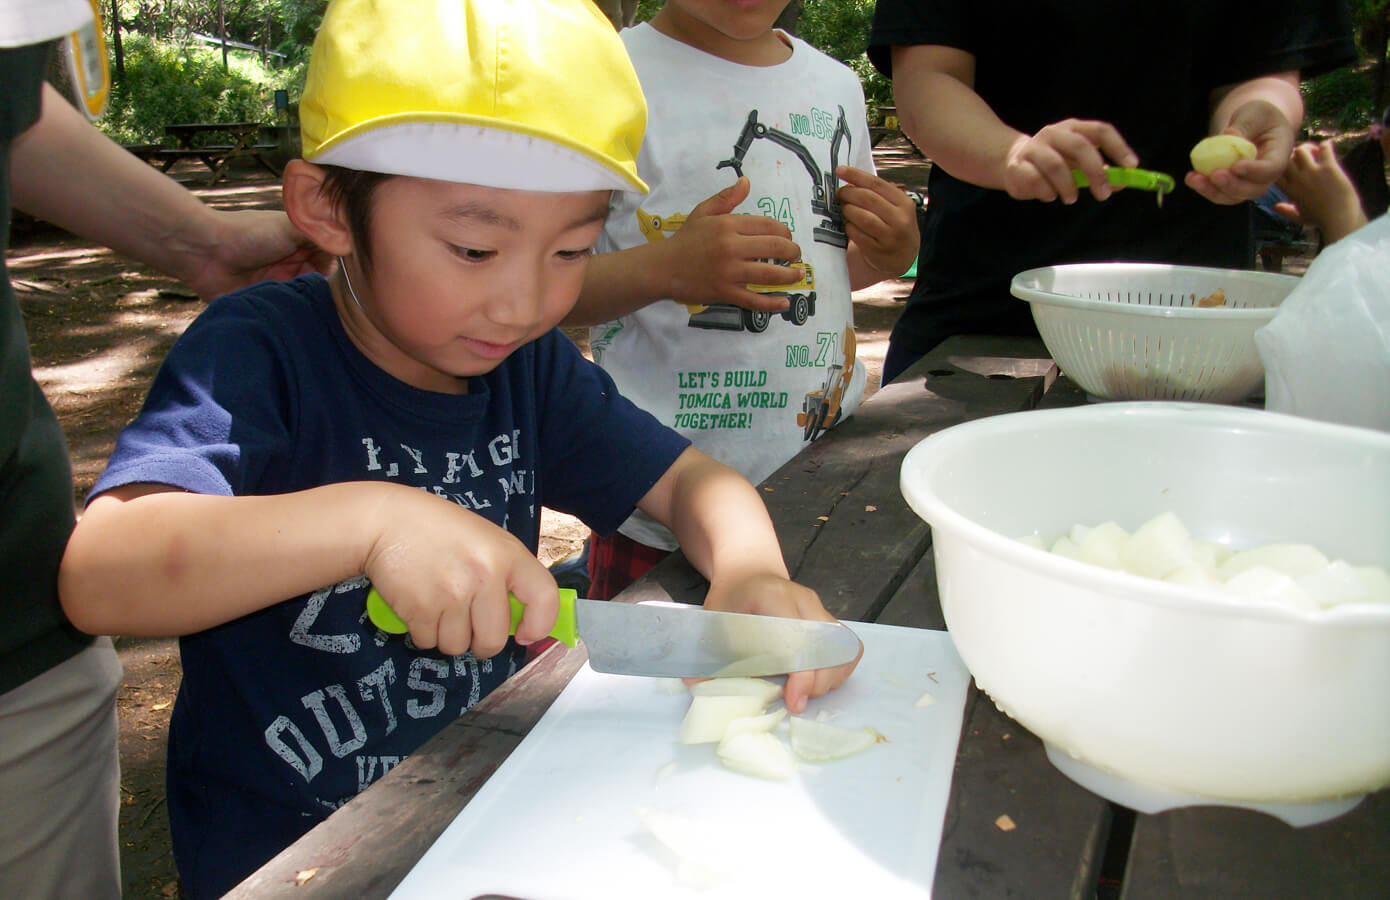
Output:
x=446 y=571
x=771 y=595
x=716 y=254
x=880 y=220
x=1320 y=192
x=1265 y=125
x=1039 y=167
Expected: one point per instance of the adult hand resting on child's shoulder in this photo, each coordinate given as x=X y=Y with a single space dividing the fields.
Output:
x=248 y=246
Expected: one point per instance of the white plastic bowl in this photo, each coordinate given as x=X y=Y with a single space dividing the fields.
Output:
x=1159 y=695
x=1132 y=331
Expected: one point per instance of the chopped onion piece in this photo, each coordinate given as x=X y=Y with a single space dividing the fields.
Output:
x=1377 y=582
x=1286 y=574
x=759 y=754
x=1102 y=545
x=754 y=724
x=709 y=716
x=822 y=741
x=1159 y=546
x=766 y=691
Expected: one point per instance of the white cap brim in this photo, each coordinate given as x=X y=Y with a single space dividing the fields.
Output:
x=472 y=154
x=25 y=22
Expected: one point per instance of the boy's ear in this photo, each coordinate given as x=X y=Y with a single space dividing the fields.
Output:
x=312 y=210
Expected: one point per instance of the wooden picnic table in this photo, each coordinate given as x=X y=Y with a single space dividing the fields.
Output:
x=229 y=141
x=878 y=567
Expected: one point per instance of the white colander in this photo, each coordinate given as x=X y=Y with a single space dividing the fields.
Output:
x=1133 y=331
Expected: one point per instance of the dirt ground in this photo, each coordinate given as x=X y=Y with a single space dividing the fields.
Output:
x=99 y=325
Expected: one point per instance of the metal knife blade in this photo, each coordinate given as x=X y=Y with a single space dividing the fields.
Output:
x=680 y=640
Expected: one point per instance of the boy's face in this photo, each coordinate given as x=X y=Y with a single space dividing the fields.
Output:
x=462 y=275
x=724 y=20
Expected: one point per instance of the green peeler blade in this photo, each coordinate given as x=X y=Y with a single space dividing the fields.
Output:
x=1143 y=179
x=565 y=631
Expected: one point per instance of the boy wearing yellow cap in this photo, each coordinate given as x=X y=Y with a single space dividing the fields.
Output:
x=398 y=425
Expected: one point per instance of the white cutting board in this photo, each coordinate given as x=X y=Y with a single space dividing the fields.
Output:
x=563 y=817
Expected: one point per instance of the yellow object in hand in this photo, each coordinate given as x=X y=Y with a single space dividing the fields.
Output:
x=1220 y=151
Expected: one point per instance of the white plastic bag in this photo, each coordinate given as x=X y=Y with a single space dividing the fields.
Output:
x=1326 y=353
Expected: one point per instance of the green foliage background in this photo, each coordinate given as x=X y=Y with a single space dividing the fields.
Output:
x=170 y=77
x=166 y=83
x=1341 y=100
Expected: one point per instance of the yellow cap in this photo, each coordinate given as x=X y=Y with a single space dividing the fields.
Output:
x=522 y=94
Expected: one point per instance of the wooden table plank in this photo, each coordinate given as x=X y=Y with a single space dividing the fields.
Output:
x=1059 y=829
x=838 y=509
x=1059 y=832
x=1216 y=852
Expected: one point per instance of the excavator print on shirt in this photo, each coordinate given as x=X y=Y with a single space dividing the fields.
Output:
x=800 y=294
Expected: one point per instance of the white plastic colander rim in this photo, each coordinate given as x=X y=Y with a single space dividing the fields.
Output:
x=1024 y=287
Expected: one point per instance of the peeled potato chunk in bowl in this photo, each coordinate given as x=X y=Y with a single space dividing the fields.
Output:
x=1169 y=694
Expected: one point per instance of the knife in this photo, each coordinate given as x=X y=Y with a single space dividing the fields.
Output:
x=677 y=639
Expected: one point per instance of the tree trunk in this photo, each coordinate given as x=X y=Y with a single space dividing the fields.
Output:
x=789 y=17
x=1378 y=43
x=622 y=13
x=116 y=41
x=222 y=30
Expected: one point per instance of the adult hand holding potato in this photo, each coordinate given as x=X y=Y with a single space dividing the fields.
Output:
x=1262 y=124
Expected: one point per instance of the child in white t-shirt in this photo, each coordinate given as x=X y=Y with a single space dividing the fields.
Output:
x=725 y=310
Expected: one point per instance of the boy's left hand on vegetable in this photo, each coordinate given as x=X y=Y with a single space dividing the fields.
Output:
x=1264 y=125
x=768 y=594
x=880 y=220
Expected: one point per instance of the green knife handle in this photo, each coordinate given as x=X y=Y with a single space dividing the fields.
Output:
x=1134 y=178
x=384 y=617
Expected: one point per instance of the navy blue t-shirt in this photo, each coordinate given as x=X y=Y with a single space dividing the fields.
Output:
x=288 y=713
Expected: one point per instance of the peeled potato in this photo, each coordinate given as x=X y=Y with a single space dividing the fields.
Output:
x=1219 y=152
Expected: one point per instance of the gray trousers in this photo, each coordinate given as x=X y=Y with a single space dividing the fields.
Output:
x=60 y=781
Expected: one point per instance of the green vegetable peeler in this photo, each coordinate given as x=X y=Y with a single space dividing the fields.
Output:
x=1143 y=179
x=565 y=631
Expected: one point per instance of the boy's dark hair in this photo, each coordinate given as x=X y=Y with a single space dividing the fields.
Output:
x=353 y=188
